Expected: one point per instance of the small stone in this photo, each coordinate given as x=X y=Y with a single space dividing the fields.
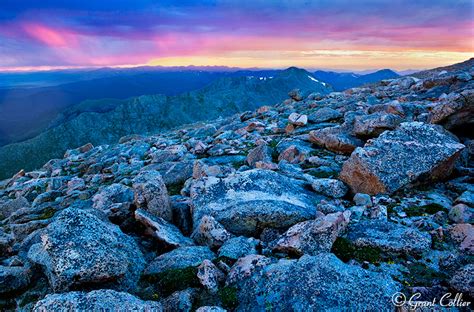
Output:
x=298 y=120
x=238 y=247
x=210 y=276
x=161 y=230
x=329 y=187
x=245 y=266
x=361 y=199
x=210 y=232
x=461 y=213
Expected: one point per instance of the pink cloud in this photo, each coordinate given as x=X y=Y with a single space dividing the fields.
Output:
x=52 y=37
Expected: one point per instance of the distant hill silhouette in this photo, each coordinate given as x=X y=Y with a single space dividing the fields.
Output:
x=343 y=81
x=106 y=120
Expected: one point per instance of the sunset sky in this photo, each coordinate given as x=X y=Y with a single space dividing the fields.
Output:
x=333 y=34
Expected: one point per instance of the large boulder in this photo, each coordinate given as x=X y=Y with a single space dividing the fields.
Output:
x=335 y=139
x=314 y=283
x=388 y=238
x=80 y=249
x=455 y=112
x=313 y=236
x=255 y=199
x=415 y=152
x=96 y=300
x=151 y=194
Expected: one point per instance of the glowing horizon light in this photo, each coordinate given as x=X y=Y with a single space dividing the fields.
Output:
x=265 y=34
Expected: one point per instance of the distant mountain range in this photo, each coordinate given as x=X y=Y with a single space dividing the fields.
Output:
x=101 y=121
x=26 y=112
x=343 y=81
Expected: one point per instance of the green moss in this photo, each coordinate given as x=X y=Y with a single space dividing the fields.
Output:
x=179 y=279
x=228 y=296
x=165 y=283
x=175 y=188
x=48 y=213
x=422 y=275
x=346 y=251
x=273 y=144
x=391 y=208
x=324 y=174
x=429 y=209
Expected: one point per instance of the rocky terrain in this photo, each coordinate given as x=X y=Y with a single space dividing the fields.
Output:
x=320 y=202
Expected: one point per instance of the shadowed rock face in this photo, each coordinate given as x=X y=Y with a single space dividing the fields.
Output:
x=251 y=200
x=416 y=152
x=317 y=283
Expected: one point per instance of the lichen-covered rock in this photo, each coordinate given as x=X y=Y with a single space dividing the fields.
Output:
x=244 y=267
x=247 y=201
x=461 y=213
x=315 y=283
x=96 y=300
x=329 y=187
x=324 y=114
x=463 y=280
x=210 y=232
x=114 y=200
x=415 y=152
x=455 y=112
x=161 y=230
x=335 y=139
x=260 y=153
x=180 y=301
x=209 y=276
x=211 y=309
x=314 y=236
x=180 y=258
x=238 y=247
x=151 y=194
x=388 y=238
x=80 y=249
x=374 y=124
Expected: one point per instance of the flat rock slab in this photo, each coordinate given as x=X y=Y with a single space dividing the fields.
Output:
x=415 y=152
x=97 y=300
x=314 y=283
x=251 y=200
x=80 y=249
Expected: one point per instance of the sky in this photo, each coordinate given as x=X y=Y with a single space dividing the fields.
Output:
x=336 y=34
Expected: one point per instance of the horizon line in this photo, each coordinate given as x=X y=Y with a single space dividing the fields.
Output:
x=37 y=69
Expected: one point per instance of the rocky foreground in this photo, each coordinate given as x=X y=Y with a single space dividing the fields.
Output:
x=324 y=202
